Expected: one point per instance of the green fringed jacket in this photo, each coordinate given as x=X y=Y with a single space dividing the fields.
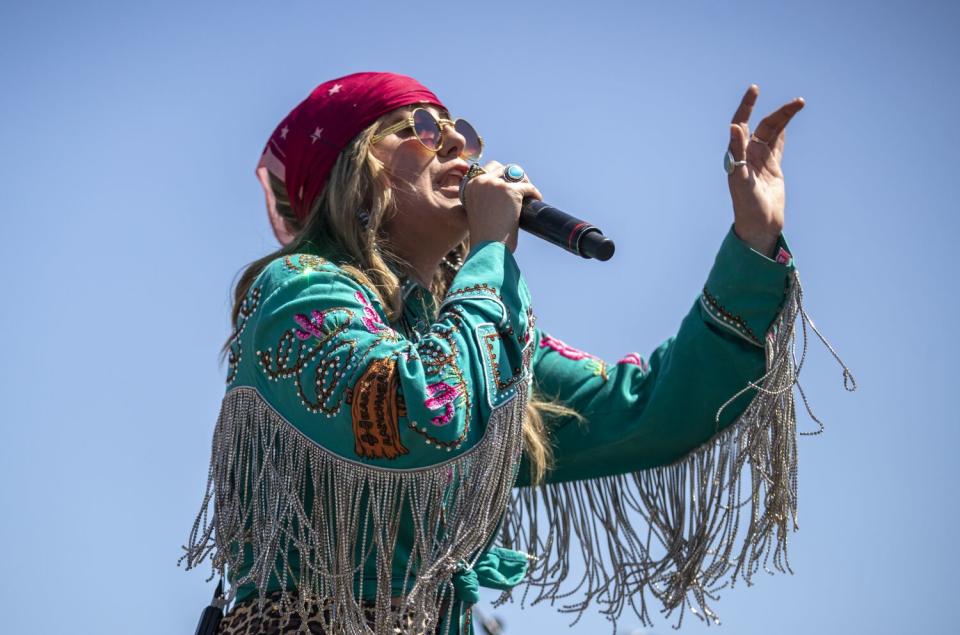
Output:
x=363 y=462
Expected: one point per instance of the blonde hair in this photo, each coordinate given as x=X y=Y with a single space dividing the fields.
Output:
x=358 y=181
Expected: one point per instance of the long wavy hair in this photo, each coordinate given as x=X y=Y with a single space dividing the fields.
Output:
x=359 y=181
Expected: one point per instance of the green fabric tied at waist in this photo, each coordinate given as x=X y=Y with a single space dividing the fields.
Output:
x=498 y=568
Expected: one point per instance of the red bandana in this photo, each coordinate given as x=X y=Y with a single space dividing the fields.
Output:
x=303 y=148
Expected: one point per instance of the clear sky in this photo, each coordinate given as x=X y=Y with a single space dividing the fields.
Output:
x=130 y=134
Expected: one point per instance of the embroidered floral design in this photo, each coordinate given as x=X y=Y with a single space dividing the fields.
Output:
x=299 y=263
x=247 y=308
x=563 y=348
x=593 y=363
x=783 y=257
x=439 y=355
x=312 y=326
x=376 y=408
x=331 y=361
x=442 y=395
x=318 y=366
x=637 y=360
x=371 y=319
x=598 y=367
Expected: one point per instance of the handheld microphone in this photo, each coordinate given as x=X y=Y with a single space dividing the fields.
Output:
x=563 y=230
x=576 y=236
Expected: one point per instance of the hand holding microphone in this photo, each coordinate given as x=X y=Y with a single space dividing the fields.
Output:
x=507 y=200
x=493 y=203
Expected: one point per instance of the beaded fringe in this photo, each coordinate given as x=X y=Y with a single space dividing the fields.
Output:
x=260 y=469
x=679 y=533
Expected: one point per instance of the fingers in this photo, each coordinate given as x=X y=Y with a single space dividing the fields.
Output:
x=742 y=116
x=775 y=122
x=738 y=148
x=493 y=167
x=494 y=172
x=527 y=189
x=481 y=190
x=493 y=205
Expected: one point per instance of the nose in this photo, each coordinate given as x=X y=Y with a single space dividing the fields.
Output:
x=453 y=141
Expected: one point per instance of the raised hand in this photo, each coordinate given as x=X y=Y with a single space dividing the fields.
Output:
x=757 y=187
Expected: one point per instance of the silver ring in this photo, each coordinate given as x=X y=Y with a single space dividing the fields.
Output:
x=729 y=164
x=513 y=173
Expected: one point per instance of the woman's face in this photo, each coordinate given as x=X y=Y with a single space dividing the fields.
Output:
x=426 y=185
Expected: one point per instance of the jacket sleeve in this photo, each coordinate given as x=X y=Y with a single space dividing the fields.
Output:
x=653 y=496
x=327 y=360
x=640 y=414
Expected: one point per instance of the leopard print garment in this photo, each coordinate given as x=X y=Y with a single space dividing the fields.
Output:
x=244 y=619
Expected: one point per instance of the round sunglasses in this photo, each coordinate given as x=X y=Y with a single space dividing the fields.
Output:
x=429 y=131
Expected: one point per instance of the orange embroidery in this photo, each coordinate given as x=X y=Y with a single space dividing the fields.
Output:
x=376 y=408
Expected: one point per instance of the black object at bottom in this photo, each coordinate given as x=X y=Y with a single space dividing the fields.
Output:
x=562 y=229
x=211 y=616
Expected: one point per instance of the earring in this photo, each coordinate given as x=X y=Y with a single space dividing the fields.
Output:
x=363 y=216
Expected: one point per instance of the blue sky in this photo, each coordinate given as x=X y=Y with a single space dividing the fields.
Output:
x=131 y=133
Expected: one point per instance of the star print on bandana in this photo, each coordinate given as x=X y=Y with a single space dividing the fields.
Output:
x=328 y=116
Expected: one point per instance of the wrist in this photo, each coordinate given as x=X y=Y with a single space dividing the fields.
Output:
x=509 y=241
x=763 y=242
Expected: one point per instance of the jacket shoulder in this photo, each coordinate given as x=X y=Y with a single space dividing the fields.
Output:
x=295 y=273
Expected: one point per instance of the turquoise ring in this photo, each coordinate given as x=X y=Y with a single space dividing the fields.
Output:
x=513 y=173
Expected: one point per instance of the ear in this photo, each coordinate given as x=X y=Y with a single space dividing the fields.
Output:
x=280 y=229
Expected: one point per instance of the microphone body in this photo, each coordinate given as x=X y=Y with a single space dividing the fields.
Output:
x=566 y=231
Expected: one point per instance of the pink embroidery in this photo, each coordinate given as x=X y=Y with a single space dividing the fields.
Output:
x=594 y=363
x=564 y=349
x=442 y=395
x=636 y=360
x=370 y=318
x=312 y=326
x=784 y=257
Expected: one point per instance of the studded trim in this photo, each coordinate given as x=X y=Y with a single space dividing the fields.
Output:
x=440 y=361
x=247 y=307
x=319 y=365
x=728 y=319
x=490 y=341
x=298 y=263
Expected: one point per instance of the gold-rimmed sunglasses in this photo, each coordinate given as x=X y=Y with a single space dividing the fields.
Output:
x=429 y=131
